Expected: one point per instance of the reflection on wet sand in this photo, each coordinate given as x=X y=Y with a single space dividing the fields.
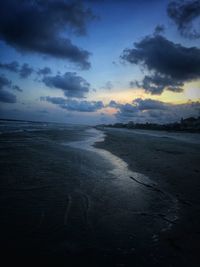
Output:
x=125 y=178
x=63 y=198
x=119 y=167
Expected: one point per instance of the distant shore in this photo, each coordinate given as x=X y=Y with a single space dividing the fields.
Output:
x=191 y=125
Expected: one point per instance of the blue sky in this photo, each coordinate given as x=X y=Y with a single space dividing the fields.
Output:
x=73 y=92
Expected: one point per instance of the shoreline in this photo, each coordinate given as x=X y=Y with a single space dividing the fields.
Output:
x=161 y=159
x=191 y=137
x=124 y=201
x=174 y=166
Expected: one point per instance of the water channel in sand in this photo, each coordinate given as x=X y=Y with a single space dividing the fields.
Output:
x=120 y=167
x=122 y=172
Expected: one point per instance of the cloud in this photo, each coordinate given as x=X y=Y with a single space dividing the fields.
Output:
x=54 y=100
x=184 y=14
x=71 y=84
x=108 y=85
x=138 y=104
x=113 y=104
x=5 y=96
x=149 y=110
x=159 y=29
x=25 y=71
x=157 y=83
x=4 y=82
x=128 y=109
x=12 y=66
x=41 y=27
x=44 y=71
x=169 y=65
x=74 y=105
x=17 y=88
x=149 y=104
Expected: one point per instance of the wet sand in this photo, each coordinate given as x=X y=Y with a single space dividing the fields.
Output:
x=130 y=200
x=171 y=160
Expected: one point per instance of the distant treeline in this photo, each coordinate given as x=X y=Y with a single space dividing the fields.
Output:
x=190 y=124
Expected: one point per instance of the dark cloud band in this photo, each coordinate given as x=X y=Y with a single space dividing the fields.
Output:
x=70 y=83
x=74 y=105
x=184 y=13
x=40 y=26
x=149 y=110
x=170 y=65
x=24 y=70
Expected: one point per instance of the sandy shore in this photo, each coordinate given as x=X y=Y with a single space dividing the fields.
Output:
x=130 y=200
x=172 y=161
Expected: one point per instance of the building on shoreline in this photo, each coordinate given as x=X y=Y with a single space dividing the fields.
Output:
x=190 y=124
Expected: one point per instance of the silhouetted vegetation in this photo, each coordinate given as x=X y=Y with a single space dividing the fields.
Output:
x=190 y=124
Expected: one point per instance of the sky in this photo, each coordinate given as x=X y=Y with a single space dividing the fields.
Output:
x=99 y=61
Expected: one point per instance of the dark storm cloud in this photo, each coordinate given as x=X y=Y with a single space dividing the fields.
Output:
x=12 y=66
x=74 y=105
x=149 y=110
x=184 y=13
x=44 y=71
x=71 y=84
x=170 y=65
x=25 y=71
x=38 y=26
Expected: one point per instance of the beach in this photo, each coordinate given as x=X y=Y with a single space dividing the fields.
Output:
x=171 y=160
x=80 y=196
